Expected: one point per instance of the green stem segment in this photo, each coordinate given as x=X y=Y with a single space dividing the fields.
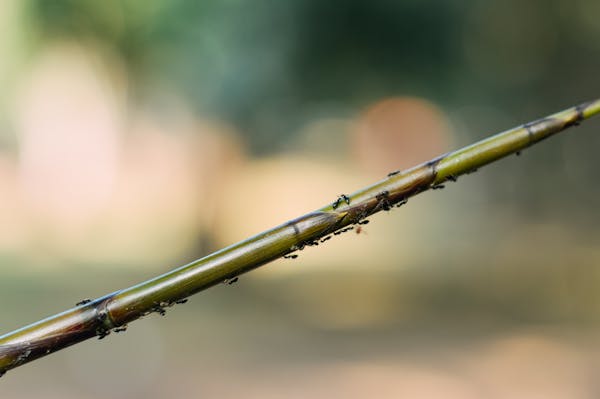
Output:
x=112 y=312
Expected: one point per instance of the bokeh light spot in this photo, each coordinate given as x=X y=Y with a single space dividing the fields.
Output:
x=398 y=133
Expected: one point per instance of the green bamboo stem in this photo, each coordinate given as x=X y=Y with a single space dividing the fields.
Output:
x=112 y=312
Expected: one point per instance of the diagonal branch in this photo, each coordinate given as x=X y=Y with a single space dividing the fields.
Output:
x=112 y=312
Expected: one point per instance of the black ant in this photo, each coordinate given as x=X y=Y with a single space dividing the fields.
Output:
x=102 y=315
x=181 y=301
x=403 y=201
x=83 y=302
x=102 y=332
x=437 y=187
x=383 y=199
x=394 y=173
x=338 y=201
x=345 y=229
x=123 y=328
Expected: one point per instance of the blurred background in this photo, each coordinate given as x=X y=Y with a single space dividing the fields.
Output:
x=136 y=136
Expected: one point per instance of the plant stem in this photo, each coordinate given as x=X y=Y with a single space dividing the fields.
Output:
x=113 y=311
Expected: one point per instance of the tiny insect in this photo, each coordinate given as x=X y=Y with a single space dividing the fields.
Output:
x=83 y=302
x=404 y=201
x=394 y=173
x=102 y=315
x=345 y=229
x=298 y=247
x=102 y=332
x=23 y=356
x=158 y=308
x=181 y=301
x=338 y=201
x=292 y=256
x=123 y=328
x=437 y=187
x=232 y=281
x=383 y=199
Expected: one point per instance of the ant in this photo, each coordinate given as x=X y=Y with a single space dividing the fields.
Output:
x=123 y=328
x=437 y=187
x=345 y=229
x=383 y=199
x=293 y=256
x=83 y=302
x=102 y=315
x=394 y=173
x=102 y=332
x=181 y=301
x=359 y=229
x=232 y=281
x=338 y=201
x=23 y=356
x=404 y=201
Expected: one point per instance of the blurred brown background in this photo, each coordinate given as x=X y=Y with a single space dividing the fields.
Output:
x=136 y=136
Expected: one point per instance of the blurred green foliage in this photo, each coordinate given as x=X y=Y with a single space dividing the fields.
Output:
x=265 y=64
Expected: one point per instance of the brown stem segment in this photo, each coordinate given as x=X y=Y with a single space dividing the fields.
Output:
x=112 y=312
